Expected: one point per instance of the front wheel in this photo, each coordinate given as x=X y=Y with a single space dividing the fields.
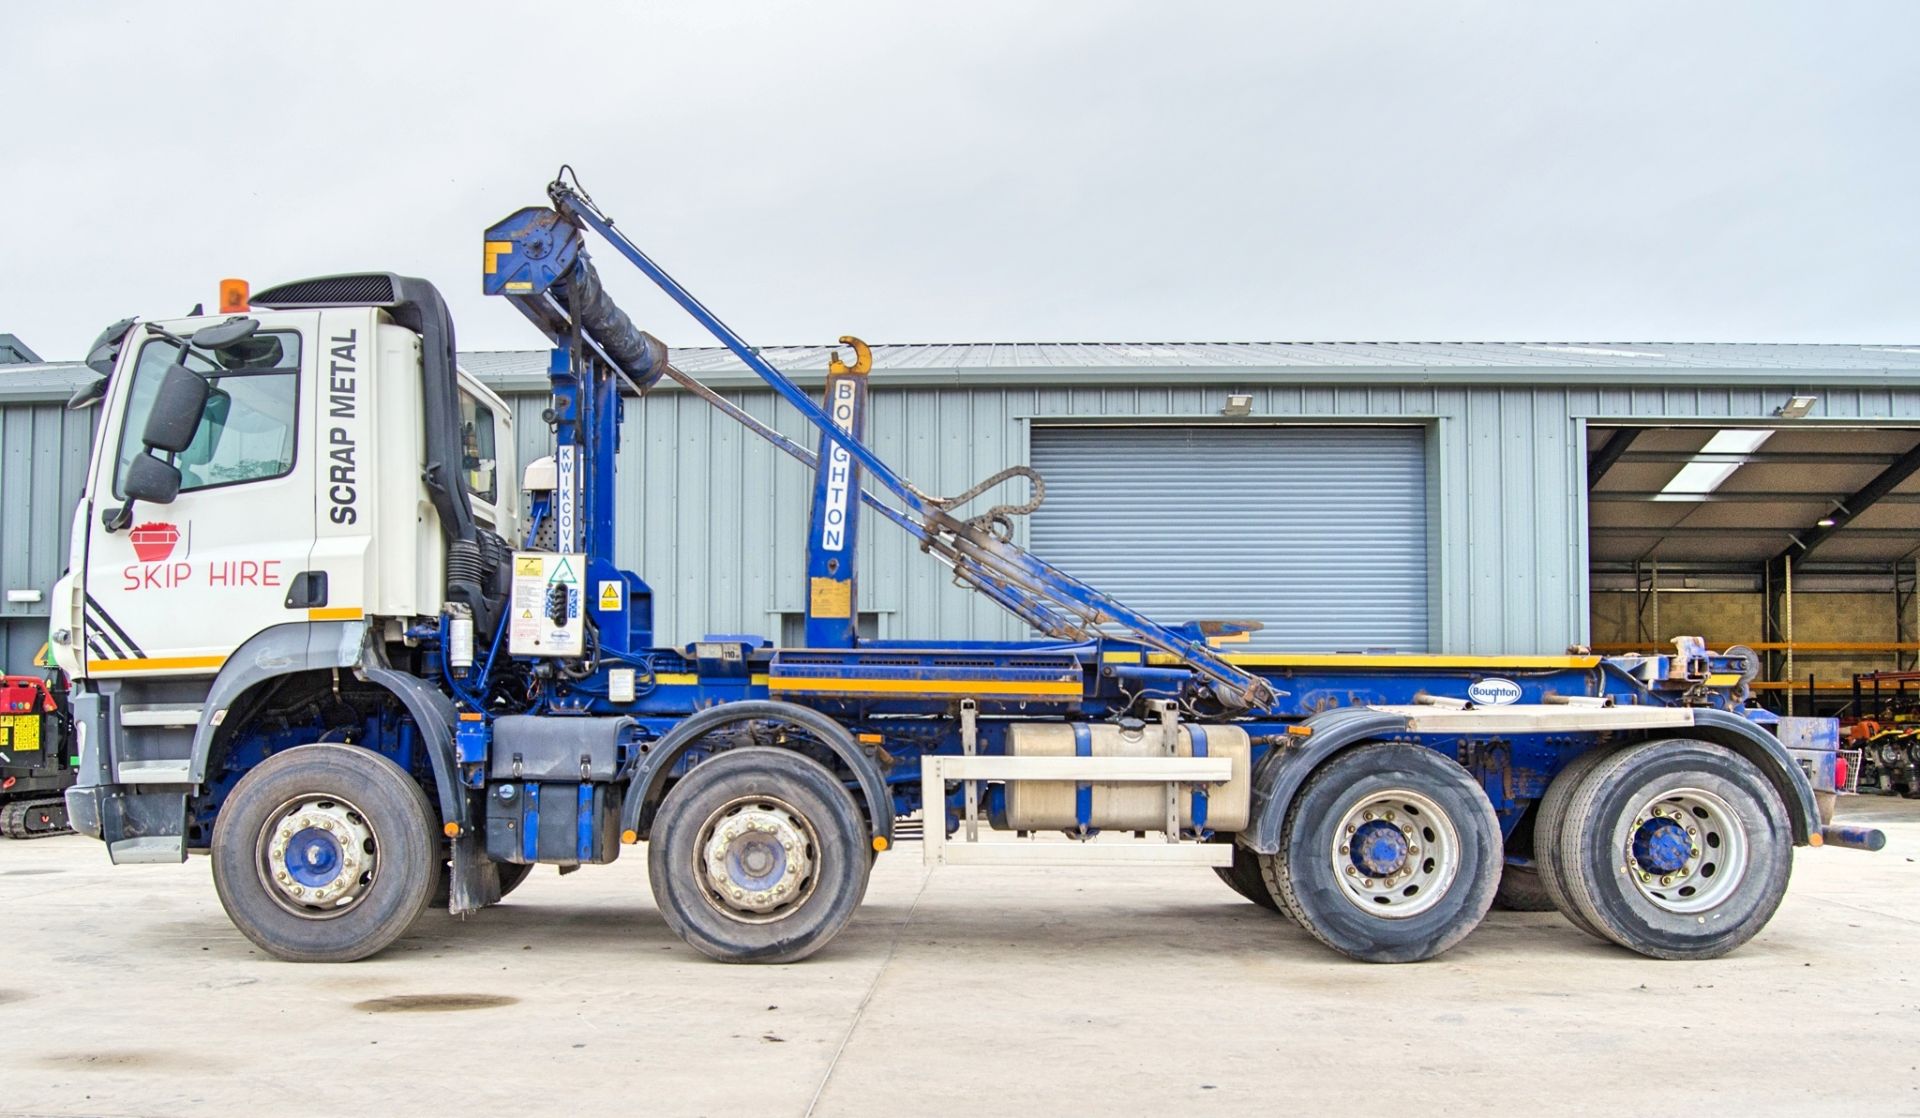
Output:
x=1390 y=854
x=758 y=856
x=325 y=853
x=1675 y=849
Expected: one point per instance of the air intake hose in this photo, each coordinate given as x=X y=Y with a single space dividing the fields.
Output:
x=639 y=354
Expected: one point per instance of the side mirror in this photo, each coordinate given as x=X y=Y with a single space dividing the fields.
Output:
x=106 y=348
x=177 y=408
x=88 y=394
x=225 y=335
x=152 y=480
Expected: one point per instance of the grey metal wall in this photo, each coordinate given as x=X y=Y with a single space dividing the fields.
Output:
x=722 y=522
x=43 y=466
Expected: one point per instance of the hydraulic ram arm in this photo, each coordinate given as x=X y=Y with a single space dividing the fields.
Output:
x=536 y=259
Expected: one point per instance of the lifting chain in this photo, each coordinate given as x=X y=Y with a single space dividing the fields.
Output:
x=998 y=520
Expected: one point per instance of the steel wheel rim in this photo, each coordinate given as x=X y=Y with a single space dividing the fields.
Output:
x=1715 y=858
x=756 y=859
x=1395 y=853
x=317 y=856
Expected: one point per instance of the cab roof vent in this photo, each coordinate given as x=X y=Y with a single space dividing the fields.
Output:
x=366 y=290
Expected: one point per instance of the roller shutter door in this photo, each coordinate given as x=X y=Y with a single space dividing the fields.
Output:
x=1320 y=532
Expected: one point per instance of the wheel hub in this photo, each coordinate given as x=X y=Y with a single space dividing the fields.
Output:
x=1660 y=844
x=1379 y=849
x=319 y=856
x=1395 y=853
x=1686 y=850
x=757 y=858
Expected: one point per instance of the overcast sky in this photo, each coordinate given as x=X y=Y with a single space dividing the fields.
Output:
x=988 y=171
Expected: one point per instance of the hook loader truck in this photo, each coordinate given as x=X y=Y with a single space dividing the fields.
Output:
x=322 y=629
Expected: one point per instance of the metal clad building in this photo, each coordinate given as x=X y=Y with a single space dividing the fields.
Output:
x=43 y=466
x=1415 y=496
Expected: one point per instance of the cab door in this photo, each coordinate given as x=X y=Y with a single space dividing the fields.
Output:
x=177 y=587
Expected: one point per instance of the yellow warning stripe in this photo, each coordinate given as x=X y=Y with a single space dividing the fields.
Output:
x=335 y=613
x=156 y=664
x=688 y=679
x=927 y=686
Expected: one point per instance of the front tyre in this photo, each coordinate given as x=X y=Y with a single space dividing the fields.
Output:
x=325 y=854
x=1676 y=849
x=758 y=856
x=1390 y=854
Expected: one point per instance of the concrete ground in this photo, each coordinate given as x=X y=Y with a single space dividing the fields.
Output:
x=973 y=991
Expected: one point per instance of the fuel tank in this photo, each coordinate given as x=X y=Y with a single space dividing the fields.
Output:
x=1041 y=805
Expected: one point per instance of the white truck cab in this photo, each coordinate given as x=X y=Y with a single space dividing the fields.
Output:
x=301 y=510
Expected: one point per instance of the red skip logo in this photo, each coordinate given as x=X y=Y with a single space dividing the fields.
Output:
x=154 y=541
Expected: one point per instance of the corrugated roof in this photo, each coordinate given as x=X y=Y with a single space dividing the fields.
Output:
x=1297 y=362
x=54 y=380
x=13 y=350
x=1267 y=355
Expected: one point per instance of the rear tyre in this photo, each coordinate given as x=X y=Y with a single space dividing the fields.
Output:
x=325 y=853
x=758 y=856
x=1390 y=854
x=1549 y=820
x=1521 y=891
x=1244 y=877
x=1676 y=849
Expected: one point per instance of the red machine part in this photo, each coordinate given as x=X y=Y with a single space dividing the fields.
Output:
x=22 y=693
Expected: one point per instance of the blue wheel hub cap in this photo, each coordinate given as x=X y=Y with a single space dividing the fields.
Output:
x=313 y=857
x=1661 y=846
x=1378 y=849
x=756 y=862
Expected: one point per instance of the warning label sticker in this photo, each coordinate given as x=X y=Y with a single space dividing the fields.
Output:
x=611 y=595
x=546 y=614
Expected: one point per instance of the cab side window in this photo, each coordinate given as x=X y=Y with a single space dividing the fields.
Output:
x=247 y=431
x=478 y=464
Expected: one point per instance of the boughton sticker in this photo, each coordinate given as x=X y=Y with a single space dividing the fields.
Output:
x=1494 y=692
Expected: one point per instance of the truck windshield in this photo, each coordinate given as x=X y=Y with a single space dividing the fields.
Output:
x=247 y=431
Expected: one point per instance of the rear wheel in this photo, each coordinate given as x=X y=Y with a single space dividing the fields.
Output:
x=1244 y=877
x=1676 y=849
x=1521 y=890
x=1390 y=854
x=325 y=853
x=1549 y=821
x=758 y=855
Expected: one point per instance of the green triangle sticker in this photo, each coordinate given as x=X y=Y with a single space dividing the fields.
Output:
x=563 y=573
